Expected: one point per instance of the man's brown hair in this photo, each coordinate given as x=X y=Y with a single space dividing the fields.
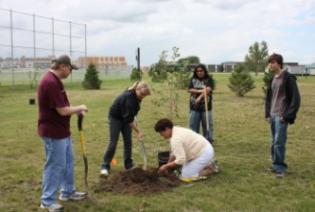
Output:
x=276 y=58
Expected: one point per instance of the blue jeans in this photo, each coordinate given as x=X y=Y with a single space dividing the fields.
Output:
x=58 y=170
x=115 y=127
x=197 y=117
x=279 y=139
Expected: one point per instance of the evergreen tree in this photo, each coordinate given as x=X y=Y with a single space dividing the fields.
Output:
x=91 y=80
x=241 y=82
x=135 y=75
x=267 y=77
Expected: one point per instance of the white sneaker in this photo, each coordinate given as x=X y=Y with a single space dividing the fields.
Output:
x=76 y=196
x=55 y=207
x=104 y=172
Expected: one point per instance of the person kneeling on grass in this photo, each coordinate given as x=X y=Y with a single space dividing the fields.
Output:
x=189 y=149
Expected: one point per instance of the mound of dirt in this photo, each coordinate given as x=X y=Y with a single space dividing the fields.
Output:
x=137 y=180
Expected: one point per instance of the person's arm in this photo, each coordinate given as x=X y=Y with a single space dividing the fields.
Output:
x=192 y=89
x=69 y=110
x=209 y=90
x=178 y=158
x=135 y=127
x=58 y=100
x=199 y=99
x=166 y=167
x=268 y=102
x=195 y=91
x=209 y=85
x=171 y=158
x=294 y=105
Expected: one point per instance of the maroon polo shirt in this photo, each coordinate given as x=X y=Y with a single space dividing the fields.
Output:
x=51 y=95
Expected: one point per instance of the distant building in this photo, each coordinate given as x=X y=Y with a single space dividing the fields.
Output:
x=38 y=62
x=229 y=66
x=9 y=63
x=295 y=68
x=215 y=68
x=310 y=69
x=103 y=62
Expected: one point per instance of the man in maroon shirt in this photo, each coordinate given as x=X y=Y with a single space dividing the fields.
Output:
x=54 y=128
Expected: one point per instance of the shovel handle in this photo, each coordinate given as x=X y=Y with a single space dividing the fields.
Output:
x=80 y=121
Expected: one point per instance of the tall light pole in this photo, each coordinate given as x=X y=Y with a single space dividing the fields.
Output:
x=138 y=61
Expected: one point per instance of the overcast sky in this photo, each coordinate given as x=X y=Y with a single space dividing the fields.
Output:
x=214 y=30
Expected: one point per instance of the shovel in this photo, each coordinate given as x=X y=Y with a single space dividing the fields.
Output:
x=83 y=150
x=142 y=150
x=207 y=113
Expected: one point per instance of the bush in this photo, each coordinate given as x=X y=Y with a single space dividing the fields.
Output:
x=158 y=73
x=182 y=79
x=91 y=80
x=266 y=79
x=241 y=82
x=135 y=74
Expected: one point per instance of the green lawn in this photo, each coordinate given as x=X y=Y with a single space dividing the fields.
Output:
x=242 y=150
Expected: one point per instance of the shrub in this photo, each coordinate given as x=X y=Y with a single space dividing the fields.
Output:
x=241 y=82
x=135 y=74
x=266 y=79
x=91 y=79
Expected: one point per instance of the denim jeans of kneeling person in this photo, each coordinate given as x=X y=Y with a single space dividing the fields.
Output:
x=115 y=127
x=279 y=139
x=58 y=170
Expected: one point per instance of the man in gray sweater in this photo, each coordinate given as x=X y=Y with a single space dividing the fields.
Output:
x=282 y=105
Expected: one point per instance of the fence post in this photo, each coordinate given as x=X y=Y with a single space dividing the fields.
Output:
x=12 y=48
x=53 y=36
x=70 y=43
x=85 y=47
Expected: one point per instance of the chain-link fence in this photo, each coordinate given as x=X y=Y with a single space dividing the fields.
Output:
x=28 y=43
x=31 y=76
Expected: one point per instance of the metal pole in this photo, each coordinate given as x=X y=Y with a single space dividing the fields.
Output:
x=12 y=49
x=53 y=36
x=85 y=47
x=70 y=41
x=138 y=59
x=34 y=50
x=34 y=37
x=70 y=38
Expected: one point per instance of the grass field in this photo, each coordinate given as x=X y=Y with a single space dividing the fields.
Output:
x=242 y=150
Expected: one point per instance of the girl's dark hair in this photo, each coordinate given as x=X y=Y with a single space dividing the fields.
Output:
x=162 y=124
x=203 y=67
x=277 y=58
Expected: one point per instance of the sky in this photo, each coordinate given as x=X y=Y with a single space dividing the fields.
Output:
x=214 y=30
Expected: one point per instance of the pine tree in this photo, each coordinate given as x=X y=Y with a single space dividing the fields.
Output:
x=91 y=80
x=241 y=82
x=267 y=77
x=135 y=75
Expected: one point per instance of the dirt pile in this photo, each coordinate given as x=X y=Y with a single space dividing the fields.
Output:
x=138 y=181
